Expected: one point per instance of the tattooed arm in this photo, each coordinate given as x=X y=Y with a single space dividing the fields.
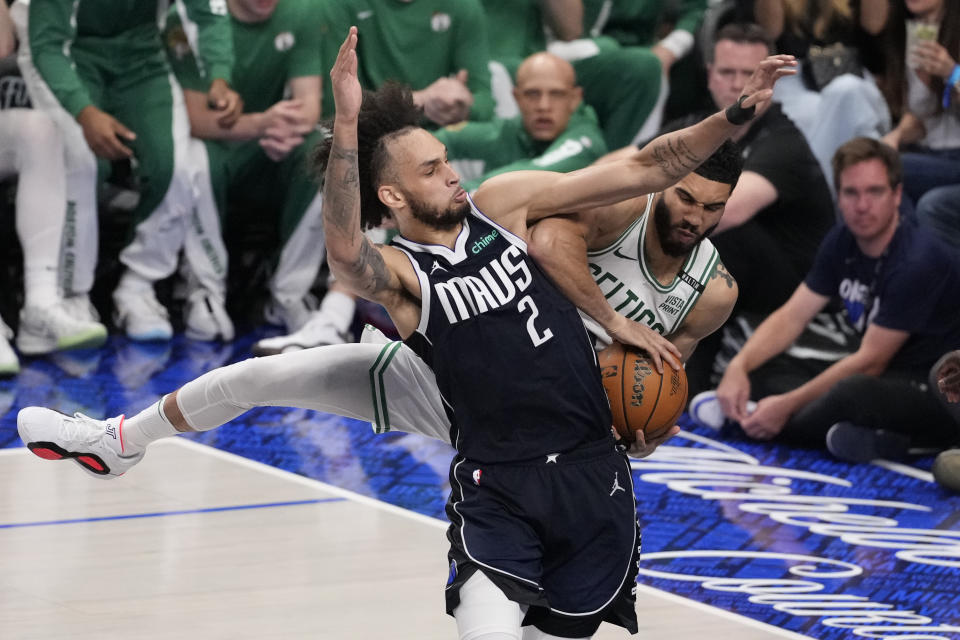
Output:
x=532 y=195
x=710 y=313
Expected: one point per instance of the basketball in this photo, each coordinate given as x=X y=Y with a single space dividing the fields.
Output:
x=640 y=398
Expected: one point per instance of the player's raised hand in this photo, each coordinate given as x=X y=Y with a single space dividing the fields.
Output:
x=347 y=94
x=759 y=87
x=639 y=335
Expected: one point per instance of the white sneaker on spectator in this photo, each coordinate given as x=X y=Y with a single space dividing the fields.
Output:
x=205 y=316
x=292 y=314
x=946 y=469
x=705 y=410
x=96 y=445
x=80 y=306
x=319 y=331
x=56 y=328
x=140 y=314
x=9 y=364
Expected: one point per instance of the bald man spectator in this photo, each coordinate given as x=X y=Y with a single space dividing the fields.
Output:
x=554 y=131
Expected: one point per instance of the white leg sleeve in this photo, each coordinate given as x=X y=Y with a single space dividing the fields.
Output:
x=31 y=147
x=335 y=379
x=485 y=613
x=301 y=256
x=79 y=249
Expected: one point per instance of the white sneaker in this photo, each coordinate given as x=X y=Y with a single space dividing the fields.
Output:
x=292 y=314
x=55 y=328
x=140 y=315
x=705 y=410
x=319 y=331
x=96 y=445
x=79 y=306
x=206 y=317
x=9 y=364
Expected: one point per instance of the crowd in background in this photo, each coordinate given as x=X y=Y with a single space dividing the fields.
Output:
x=156 y=158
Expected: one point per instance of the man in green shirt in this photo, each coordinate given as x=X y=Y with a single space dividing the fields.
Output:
x=98 y=68
x=554 y=131
x=259 y=162
x=438 y=47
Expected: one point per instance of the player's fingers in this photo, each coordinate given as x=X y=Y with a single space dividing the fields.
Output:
x=757 y=97
x=657 y=361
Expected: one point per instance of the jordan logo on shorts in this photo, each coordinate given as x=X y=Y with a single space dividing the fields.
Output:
x=616 y=483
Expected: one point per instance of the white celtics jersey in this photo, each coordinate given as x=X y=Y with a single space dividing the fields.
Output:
x=622 y=274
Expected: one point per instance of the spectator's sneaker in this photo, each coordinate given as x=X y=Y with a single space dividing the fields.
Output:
x=9 y=364
x=317 y=332
x=292 y=314
x=79 y=305
x=206 y=317
x=946 y=469
x=705 y=410
x=140 y=315
x=853 y=443
x=96 y=445
x=55 y=328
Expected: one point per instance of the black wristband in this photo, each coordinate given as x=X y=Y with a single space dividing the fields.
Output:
x=737 y=114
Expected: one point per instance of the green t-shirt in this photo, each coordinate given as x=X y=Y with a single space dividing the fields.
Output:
x=116 y=38
x=635 y=22
x=480 y=150
x=268 y=53
x=414 y=42
x=519 y=29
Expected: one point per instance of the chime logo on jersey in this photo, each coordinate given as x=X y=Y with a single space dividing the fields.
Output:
x=284 y=41
x=463 y=297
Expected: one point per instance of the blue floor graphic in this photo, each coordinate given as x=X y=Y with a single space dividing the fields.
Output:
x=785 y=536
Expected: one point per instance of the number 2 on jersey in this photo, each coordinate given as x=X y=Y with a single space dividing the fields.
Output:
x=527 y=304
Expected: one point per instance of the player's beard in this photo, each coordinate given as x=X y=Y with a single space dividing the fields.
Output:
x=440 y=219
x=674 y=248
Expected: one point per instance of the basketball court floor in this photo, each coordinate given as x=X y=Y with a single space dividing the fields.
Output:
x=294 y=524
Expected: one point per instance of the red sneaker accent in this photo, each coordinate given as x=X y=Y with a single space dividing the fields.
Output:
x=47 y=454
x=87 y=461
x=120 y=429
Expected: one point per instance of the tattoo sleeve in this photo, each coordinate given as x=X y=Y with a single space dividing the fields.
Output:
x=675 y=158
x=351 y=254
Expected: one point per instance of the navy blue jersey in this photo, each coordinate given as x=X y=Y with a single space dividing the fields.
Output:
x=513 y=361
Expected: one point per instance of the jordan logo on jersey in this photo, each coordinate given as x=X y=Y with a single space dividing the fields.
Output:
x=463 y=297
x=437 y=267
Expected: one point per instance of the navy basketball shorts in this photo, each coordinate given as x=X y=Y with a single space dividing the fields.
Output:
x=558 y=534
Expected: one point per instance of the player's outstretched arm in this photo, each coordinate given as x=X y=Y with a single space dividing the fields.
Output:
x=527 y=196
x=354 y=260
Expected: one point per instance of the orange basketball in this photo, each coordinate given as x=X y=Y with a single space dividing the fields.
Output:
x=640 y=398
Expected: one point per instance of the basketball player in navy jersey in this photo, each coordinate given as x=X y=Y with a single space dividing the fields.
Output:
x=543 y=521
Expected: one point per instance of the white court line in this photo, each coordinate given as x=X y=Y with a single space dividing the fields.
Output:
x=406 y=513
x=12 y=450
x=904 y=469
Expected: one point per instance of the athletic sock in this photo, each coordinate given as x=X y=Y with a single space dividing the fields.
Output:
x=40 y=286
x=145 y=427
x=339 y=307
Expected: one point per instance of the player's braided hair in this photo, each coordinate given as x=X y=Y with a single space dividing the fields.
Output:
x=384 y=114
x=724 y=165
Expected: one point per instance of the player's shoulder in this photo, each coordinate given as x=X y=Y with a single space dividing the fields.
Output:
x=715 y=303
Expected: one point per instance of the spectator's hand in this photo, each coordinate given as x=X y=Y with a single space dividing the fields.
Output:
x=641 y=448
x=734 y=392
x=347 y=94
x=892 y=139
x=665 y=56
x=286 y=119
x=104 y=133
x=948 y=376
x=932 y=58
x=640 y=335
x=768 y=418
x=447 y=100
x=278 y=149
x=221 y=97
x=759 y=87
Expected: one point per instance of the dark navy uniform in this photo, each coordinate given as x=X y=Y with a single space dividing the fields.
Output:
x=542 y=501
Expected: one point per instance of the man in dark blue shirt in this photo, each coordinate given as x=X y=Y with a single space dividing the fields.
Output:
x=900 y=288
